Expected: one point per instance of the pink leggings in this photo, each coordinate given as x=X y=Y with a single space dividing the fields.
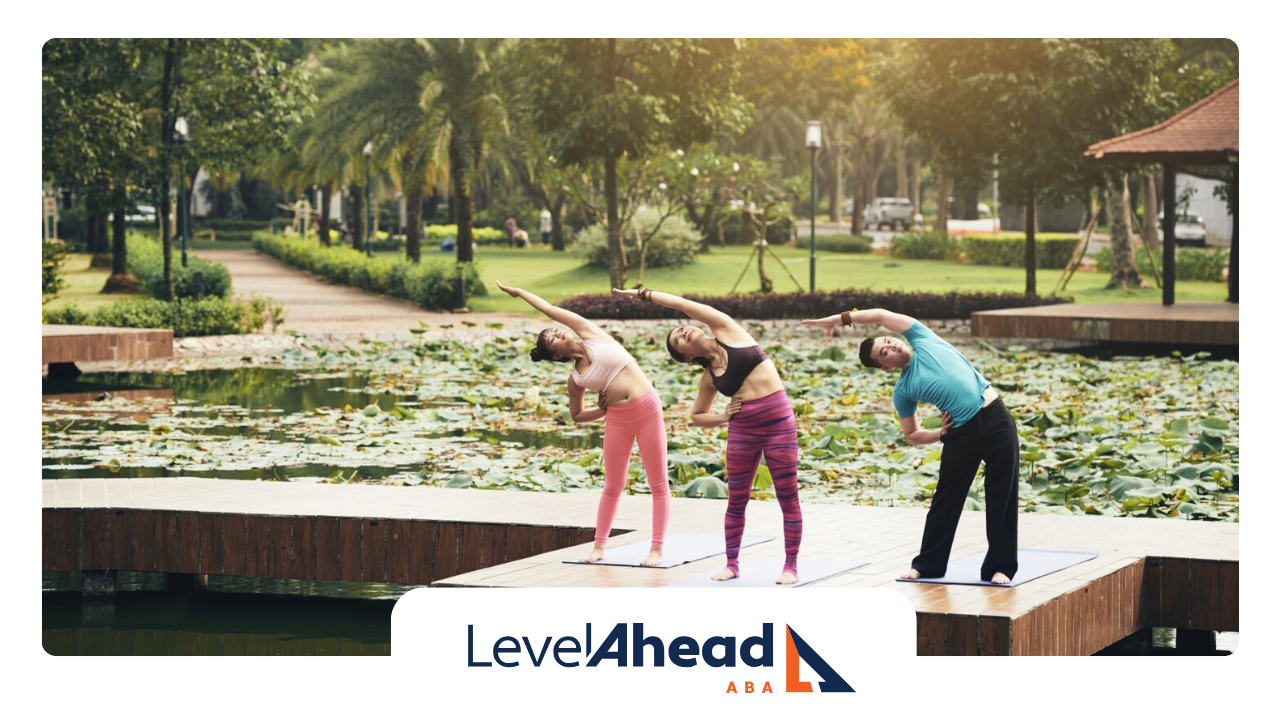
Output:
x=639 y=421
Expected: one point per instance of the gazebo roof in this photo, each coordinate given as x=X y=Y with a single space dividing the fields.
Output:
x=1206 y=133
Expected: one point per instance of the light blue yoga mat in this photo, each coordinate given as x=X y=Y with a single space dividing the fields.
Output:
x=764 y=572
x=1032 y=564
x=677 y=549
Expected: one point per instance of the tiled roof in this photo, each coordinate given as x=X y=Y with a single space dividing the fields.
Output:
x=1211 y=126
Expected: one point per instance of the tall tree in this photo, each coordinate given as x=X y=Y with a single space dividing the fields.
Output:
x=603 y=99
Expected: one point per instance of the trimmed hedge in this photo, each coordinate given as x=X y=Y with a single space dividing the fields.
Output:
x=428 y=284
x=146 y=262
x=186 y=316
x=838 y=243
x=1189 y=264
x=919 y=245
x=934 y=306
x=52 y=255
x=1053 y=250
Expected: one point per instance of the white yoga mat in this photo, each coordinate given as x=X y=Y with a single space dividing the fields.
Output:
x=764 y=572
x=1032 y=564
x=677 y=549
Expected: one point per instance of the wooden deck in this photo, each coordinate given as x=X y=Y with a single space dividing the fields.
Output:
x=78 y=343
x=1162 y=573
x=1181 y=324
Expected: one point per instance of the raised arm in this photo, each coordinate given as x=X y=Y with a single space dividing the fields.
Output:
x=891 y=321
x=583 y=327
x=711 y=317
x=702 y=415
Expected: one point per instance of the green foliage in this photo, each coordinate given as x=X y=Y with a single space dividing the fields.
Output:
x=918 y=245
x=146 y=262
x=1053 y=251
x=428 y=284
x=482 y=235
x=675 y=243
x=839 y=243
x=53 y=254
x=187 y=317
x=1189 y=263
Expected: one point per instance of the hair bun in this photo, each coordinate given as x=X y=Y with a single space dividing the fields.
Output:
x=535 y=355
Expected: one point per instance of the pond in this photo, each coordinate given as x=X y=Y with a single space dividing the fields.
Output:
x=1109 y=434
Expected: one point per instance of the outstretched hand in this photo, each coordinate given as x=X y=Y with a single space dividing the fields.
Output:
x=512 y=291
x=632 y=295
x=827 y=323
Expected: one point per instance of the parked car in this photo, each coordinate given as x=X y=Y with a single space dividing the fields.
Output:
x=1189 y=230
x=888 y=214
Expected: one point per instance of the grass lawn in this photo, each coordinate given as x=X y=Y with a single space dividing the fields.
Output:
x=556 y=276
x=84 y=285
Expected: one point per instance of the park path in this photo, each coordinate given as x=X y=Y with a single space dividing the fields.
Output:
x=315 y=306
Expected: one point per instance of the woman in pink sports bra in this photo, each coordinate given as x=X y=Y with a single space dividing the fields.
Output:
x=627 y=402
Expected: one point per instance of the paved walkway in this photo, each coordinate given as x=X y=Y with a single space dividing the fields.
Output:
x=314 y=305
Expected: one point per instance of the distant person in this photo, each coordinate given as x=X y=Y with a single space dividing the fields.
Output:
x=446 y=245
x=516 y=236
x=544 y=226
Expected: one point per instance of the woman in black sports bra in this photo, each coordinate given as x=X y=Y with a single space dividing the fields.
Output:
x=761 y=422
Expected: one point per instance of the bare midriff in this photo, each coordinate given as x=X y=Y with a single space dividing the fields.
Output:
x=762 y=382
x=627 y=386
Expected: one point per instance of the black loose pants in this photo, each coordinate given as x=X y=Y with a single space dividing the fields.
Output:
x=990 y=437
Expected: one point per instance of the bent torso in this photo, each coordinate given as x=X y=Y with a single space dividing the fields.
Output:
x=627 y=385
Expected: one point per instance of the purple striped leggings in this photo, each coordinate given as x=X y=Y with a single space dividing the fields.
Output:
x=763 y=427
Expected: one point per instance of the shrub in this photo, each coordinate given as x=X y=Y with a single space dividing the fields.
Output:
x=428 y=284
x=918 y=245
x=146 y=262
x=53 y=253
x=933 y=306
x=482 y=235
x=1053 y=250
x=1189 y=263
x=781 y=228
x=839 y=243
x=186 y=316
x=676 y=243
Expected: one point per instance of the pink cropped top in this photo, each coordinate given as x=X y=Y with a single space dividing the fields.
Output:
x=608 y=359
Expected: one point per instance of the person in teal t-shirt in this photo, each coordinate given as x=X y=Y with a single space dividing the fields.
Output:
x=976 y=428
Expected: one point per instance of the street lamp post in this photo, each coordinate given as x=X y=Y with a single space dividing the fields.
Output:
x=368 y=206
x=184 y=221
x=813 y=141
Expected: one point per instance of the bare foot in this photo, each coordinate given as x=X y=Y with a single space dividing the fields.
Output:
x=653 y=558
x=912 y=574
x=725 y=574
x=786 y=578
x=597 y=552
x=1000 y=579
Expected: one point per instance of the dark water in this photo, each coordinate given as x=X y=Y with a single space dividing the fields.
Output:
x=249 y=388
x=214 y=623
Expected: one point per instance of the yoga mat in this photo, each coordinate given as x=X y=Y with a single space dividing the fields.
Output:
x=677 y=549
x=763 y=572
x=1032 y=564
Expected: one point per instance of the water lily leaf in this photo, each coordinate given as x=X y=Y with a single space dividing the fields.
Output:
x=459 y=481
x=371 y=410
x=707 y=486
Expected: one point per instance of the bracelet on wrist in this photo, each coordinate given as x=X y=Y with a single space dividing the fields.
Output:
x=845 y=319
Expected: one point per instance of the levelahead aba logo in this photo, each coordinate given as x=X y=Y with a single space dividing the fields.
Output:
x=496 y=647
x=718 y=651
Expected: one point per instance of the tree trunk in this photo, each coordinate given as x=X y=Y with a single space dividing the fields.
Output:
x=970 y=210
x=859 y=199
x=944 y=201
x=326 y=208
x=837 y=208
x=460 y=172
x=1031 y=244
x=119 y=281
x=357 y=210
x=617 y=264
x=413 y=191
x=557 y=222
x=1123 y=270
x=901 y=162
x=167 y=118
x=915 y=184
x=1150 y=211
